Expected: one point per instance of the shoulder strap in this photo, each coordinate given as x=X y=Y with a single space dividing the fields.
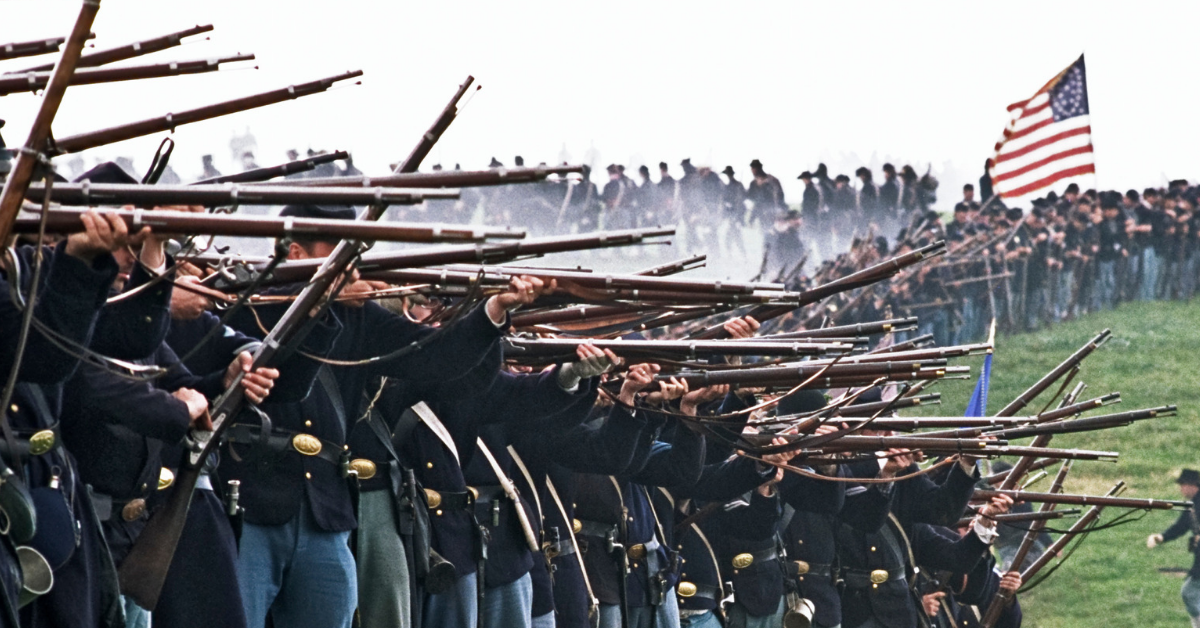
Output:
x=537 y=500
x=902 y=538
x=662 y=535
x=330 y=385
x=425 y=413
x=562 y=511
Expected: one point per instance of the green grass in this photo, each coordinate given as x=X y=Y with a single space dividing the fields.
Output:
x=1152 y=359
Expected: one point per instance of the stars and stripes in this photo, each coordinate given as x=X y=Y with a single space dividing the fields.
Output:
x=1048 y=139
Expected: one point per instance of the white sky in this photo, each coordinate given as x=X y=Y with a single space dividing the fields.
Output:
x=790 y=83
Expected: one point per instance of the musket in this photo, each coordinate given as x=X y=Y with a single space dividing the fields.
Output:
x=1048 y=380
x=1003 y=598
x=999 y=476
x=869 y=409
x=168 y=122
x=145 y=567
x=444 y=178
x=89 y=194
x=300 y=270
x=129 y=51
x=552 y=348
x=66 y=221
x=1087 y=424
x=1023 y=517
x=18 y=49
x=864 y=277
x=610 y=281
x=1085 y=500
x=282 y=170
x=860 y=329
x=907 y=345
x=1035 y=529
x=961 y=282
x=675 y=267
x=35 y=147
x=771 y=375
x=33 y=81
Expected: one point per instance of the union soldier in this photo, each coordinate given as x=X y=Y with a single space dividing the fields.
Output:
x=765 y=193
x=1186 y=525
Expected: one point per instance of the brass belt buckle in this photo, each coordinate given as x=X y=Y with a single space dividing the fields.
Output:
x=550 y=550
x=802 y=567
x=686 y=589
x=576 y=526
x=637 y=552
x=366 y=469
x=743 y=560
x=879 y=576
x=433 y=498
x=134 y=509
x=165 y=478
x=41 y=442
x=306 y=444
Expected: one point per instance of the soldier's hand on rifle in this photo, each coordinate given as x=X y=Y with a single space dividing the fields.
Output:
x=692 y=400
x=932 y=602
x=592 y=362
x=185 y=304
x=522 y=290
x=362 y=286
x=1153 y=540
x=1010 y=582
x=637 y=378
x=104 y=232
x=742 y=327
x=257 y=383
x=197 y=407
x=668 y=391
x=998 y=505
x=898 y=460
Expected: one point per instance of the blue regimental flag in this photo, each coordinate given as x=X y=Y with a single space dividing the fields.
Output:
x=978 y=404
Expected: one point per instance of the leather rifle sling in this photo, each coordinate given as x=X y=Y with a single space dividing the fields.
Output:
x=511 y=491
x=562 y=510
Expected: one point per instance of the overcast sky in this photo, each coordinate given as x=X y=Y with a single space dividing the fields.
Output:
x=790 y=83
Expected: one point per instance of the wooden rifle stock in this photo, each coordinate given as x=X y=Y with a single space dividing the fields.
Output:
x=65 y=221
x=33 y=81
x=84 y=141
x=145 y=567
x=282 y=170
x=129 y=51
x=17 y=182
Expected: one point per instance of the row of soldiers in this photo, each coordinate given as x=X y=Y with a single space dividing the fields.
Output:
x=1063 y=257
x=396 y=473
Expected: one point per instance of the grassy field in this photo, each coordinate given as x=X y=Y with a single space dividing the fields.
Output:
x=1152 y=359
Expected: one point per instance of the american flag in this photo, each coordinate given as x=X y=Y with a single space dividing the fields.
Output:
x=1048 y=139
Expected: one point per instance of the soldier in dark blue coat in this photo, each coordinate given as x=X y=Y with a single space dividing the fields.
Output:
x=962 y=596
x=604 y=445
x=74 y=282
x=1186 y=525
x=291 y=470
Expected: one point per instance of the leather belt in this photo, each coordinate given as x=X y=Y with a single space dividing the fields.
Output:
x=280 y=440
x=596 y=529
x=798 y=568
x=642 y=550
x=484 y=494
x=745 y=559
x=863 y=578
x=449 y=500
x=565 y=547
x=687 y=589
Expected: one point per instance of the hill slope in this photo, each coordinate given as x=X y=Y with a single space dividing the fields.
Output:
x=1152 y=359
